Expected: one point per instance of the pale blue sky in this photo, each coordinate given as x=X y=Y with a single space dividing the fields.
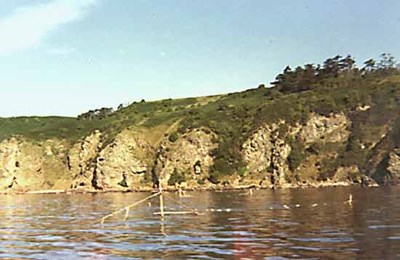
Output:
x=64 y=57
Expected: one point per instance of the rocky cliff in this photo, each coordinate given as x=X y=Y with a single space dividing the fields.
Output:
x=25 y=165
x=130 y=162
x=332 y=124
x=123 y=163
x=393 y=166
x=265 y=154
x=186 y=160
x=269 y=151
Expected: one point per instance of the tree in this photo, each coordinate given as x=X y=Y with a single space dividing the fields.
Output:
x=96 y=114
x=369 y=65
x=103 y=112
x=387 y=61
x=347 y=63
x=331 y=67
x=286 y=81
x=307 y=77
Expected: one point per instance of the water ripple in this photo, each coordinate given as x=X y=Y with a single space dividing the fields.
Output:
x=233 y=226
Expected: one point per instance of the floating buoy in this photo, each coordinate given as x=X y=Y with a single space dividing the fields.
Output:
x=350 y=200
x=219 y=210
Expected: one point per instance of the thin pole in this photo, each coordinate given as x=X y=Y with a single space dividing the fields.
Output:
x=161 y=203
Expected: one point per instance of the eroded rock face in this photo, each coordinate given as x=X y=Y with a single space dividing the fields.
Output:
x=350 y=173
x=327 y=129
x=123 y=163
x=82 y=160
x=257 y=151
x=264 y=152
x=130 y=161
x=393 y=167
x=21 y=165
x=9 y=155
x=189 y=155
x=280 y=154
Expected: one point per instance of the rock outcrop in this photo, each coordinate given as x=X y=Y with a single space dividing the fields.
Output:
x=265 y=153
x=28 y=166
x=82 y=160
x=189 y=155
x=325 y=129
x=393 y=166
x=123 y=163
x=133 y=159
x=9 y=162
x=350 y=173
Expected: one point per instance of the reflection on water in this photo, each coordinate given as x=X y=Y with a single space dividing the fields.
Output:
x=311 y=223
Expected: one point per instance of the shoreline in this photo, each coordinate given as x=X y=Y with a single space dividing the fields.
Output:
x=176 y=189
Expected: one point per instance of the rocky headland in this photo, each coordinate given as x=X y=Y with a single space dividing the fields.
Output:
x=341 y=130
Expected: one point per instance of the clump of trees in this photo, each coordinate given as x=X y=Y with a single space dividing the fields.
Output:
x=341 y=69
x=96 y=114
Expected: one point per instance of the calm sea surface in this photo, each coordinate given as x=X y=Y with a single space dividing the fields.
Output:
x=293 y=224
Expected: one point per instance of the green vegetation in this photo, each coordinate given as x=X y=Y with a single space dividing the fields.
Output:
x=42 y=128
x=176 y=178
x=297 y=154
x=335 y=86
x=96 y=114
x=173 y=137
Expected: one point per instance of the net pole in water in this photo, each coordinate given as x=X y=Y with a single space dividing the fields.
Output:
x=161 y=203
x=127 y=208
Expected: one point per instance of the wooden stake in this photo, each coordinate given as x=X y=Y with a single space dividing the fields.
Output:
x=161 y=203
x=350 y=200
x=195 y=213
x=126 y=214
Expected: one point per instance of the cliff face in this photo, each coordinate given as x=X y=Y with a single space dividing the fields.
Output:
x=393 y=166
x=9 y=158
x=123 y=163
x=329 y=128
x=188 y=157
x=28 y=166
x=130 y=161
x=82 y=160
x=326 y=129
x=265 y=154
x=268 y=151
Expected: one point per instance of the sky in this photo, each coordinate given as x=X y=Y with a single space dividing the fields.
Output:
x=65 y=57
